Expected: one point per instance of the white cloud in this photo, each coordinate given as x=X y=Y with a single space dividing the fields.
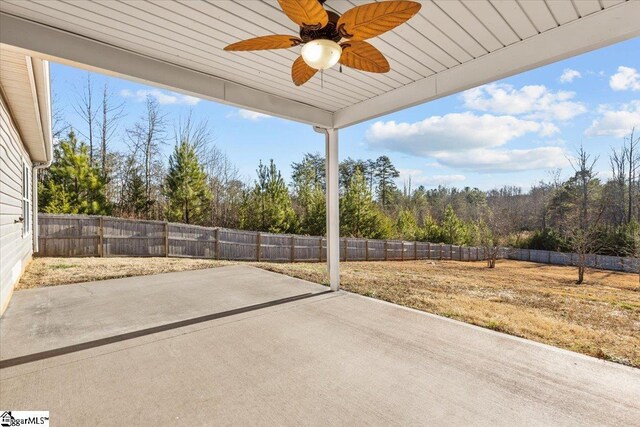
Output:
x=419 y=178
x=252 y=115
x=467 y=141
x=163 y=98
x=532 y=101
x=485 y=160
x=453 y=132
x=569 y=75
x=618 y=123
x=558 y=142
x=433 y=165
x=626 y=78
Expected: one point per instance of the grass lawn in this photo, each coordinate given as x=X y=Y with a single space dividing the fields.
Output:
x=62 y=271
x=600 y=318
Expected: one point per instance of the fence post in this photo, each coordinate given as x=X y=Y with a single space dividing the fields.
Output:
x=345 y=242
x=217 y=243
x=166 y=239
x=293 y=248
x=258 y=246
x=366 y=250
x=101 y=238
x=415 y=250
x=402 y=250
x=440 y=251
x=320 y=252
x=428 y=250
x=549 y=257
x=386 y=244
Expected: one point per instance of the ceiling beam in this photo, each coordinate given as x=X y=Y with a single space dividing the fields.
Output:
x=64 y=47
x=594 y=31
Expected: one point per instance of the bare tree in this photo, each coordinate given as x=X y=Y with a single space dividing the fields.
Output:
x=84 y=107
x=198 y=133
x=58 y=123
x=631 y=151
x=227 y=189
x=494 y=229
x=582 y=234
x=584 y=242
x=146 y=136
x=111 y=115
x=618 y=162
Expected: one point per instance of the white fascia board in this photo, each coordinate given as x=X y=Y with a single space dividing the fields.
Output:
x=56 y=45
x=600 y=29
x=41 y=84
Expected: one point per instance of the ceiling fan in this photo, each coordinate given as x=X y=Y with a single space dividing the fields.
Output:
x=322 y=32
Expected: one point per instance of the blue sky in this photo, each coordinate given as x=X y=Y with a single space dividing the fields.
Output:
x=509 y=132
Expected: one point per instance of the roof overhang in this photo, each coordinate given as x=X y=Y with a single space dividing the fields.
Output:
x=455 y=45
x=24 y=83
x=586 y=34
x=77 y=51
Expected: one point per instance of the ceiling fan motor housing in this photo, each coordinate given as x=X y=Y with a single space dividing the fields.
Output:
x=328 y=32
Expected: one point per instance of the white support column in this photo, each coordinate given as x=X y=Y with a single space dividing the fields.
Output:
x=333 y=208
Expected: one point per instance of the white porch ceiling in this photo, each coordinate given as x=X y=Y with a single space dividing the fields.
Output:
x=450 y=46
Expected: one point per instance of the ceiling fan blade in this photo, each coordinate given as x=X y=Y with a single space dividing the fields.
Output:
x=306 y=13
x=266 y=42
x=301 y=72
x=362 y=56
x=371 y=20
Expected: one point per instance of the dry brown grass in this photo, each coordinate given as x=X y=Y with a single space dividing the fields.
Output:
x=539 y=302
x=61 y=271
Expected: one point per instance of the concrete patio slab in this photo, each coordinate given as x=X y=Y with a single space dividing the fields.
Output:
x=335 y=358
x=52 y=317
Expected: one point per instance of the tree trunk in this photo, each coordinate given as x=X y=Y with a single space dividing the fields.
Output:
x=90 y=120
x=103 y=145
x=580 y=275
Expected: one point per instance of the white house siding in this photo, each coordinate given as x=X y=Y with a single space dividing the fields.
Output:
x=15 y=241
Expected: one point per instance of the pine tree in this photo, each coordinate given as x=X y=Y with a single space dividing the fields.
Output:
x=431 y=231
x=407 y=225
x=72 y=185
x=308 y=184
x=268 y=206
x=134 y=200
x=385 y=172
x=348 y=168
x=186 y=189
x=453 y=229
x=359 y=215
x=314 y=221
x=311 y=170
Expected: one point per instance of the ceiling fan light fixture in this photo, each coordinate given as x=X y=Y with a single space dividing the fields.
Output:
x=328 y=38
x=321 y=54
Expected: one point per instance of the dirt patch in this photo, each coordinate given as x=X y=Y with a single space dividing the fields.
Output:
x=600 y=318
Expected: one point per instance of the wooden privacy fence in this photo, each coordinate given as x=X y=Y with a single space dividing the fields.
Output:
x=81 y=235
x=603 y=262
